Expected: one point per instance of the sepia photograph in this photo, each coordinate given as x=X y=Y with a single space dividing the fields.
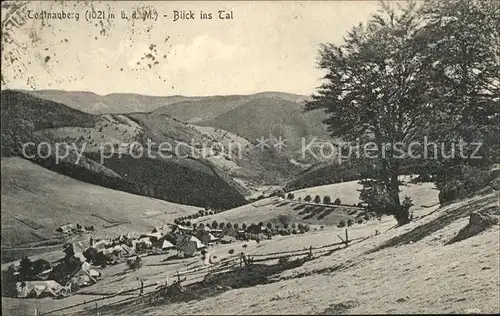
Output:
x=250 y=157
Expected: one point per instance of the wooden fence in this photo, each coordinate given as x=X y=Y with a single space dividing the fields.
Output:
x=219 y=267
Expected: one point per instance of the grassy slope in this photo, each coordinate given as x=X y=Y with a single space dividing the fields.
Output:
x=420 y=275
x=50 y=200
x=417 y=273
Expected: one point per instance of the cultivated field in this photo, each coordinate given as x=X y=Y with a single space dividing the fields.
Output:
x=422 y=194
x=271 y=209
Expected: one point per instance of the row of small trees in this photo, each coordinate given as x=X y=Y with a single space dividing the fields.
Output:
x=222 y=225
x=317 y=199
x=201 y=213
x=276 y=228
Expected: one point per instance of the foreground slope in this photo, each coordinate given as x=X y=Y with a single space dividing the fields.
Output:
x=36 y=201
x=410 y=269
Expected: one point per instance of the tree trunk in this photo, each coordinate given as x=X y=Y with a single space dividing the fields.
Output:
x=401 y=214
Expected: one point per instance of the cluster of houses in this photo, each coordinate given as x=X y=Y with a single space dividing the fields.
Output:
x=83 y=261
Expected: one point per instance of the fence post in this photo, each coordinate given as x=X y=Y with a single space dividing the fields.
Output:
x=346 y=238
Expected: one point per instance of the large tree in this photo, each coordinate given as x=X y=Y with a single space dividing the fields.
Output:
x=373 y=94
x=463 y=39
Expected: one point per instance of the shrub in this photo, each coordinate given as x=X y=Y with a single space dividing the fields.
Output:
x=360 y=221
x=308 y=198
x=307 y=228
x=341 y=224
x=188 y=223
x=317 y=199
x=299 y=199
x=327 y=199
x=294 y=226
x=322 y=227
x=350 y=222
x=294 y=232
x=231 y=251
x=285 y=226
x=458 y=182
x=337 y=201
x=280 y=193
x=244 y=245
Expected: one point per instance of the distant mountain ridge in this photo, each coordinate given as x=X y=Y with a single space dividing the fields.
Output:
x=26 y=118
x=93 y=103
x=264 y=114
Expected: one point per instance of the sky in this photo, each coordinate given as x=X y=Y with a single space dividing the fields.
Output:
x=267 y=46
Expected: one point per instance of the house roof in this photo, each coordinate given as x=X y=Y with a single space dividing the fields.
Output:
x=167 y=245
x=198 y=242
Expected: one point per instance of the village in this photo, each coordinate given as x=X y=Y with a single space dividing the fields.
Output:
x=84 y=261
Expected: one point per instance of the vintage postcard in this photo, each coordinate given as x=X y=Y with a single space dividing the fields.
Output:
x=250 y=157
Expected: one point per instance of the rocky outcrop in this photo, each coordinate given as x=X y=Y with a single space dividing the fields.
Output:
x=478 y=222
